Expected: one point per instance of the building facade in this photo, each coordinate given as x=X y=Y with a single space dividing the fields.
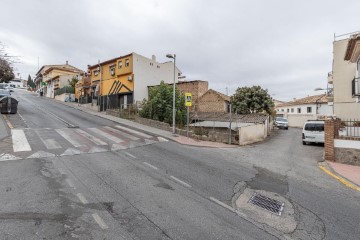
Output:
x=301 y=110
x=124 y=80
x=344 y=78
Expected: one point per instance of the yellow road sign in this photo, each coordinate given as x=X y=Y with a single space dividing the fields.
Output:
x=188 y=99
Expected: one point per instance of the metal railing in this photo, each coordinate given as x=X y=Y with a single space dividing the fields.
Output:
x=350 y=128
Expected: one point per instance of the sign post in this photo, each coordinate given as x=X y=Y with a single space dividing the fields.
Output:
x=188 y=104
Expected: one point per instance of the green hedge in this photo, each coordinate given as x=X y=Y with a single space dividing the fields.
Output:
x=66 y=89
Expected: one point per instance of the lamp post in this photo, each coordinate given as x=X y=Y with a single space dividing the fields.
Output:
x=174 y=57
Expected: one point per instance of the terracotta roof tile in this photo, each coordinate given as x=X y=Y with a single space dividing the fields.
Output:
x=307 y=100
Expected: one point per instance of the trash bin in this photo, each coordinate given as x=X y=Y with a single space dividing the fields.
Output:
x=8 y=105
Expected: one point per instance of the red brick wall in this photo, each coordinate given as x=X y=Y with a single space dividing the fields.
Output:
x=196 y=88
x=331 y=132
x=212 y=102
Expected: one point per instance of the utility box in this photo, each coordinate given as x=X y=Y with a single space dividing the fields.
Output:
x=8 y=105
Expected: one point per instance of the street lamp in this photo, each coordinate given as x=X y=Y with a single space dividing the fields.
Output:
x=174 y=57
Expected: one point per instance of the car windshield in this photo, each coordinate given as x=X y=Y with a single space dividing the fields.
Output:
x=281 y=119
x=314 y=127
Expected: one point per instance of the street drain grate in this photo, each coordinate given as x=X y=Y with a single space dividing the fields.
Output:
x=267 y=203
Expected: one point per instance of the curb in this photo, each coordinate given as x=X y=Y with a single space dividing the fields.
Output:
x=330 y=171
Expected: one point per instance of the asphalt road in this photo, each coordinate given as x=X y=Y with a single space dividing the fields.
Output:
x=78 y=176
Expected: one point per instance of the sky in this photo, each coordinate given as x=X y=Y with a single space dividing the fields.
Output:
x=284 y=46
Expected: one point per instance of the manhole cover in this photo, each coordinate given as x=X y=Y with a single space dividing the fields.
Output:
x=267 y=203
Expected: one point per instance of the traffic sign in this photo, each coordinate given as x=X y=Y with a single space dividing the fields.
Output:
x=188 y=99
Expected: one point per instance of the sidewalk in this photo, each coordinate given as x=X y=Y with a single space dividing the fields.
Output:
x=3 y=127
x=166 y=134
x=348 y=175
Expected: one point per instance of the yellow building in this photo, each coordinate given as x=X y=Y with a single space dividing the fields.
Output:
x=121 y=81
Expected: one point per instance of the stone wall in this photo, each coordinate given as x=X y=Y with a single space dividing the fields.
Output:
x=153 y=123
x=196 y=88
x=212 y=102
x=347 y=155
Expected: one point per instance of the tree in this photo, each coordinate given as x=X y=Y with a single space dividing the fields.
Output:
x=160 y=105
x=73 y=82
x=252 y=100
x=6 y=71
x=30 y=82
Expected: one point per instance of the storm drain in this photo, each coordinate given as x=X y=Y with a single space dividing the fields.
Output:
x=267 y=203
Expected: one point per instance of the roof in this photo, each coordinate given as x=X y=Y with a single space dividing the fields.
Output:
x=307 y=100
x=223 y=96
x=351 y=46
x=109 y=61
x=243 y=118
x=64 y=67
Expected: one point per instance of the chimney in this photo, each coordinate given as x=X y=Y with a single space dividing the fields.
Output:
x=153 y=57
x=67 y=62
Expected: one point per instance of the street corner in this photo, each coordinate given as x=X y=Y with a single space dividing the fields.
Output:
x=346 y=174
x=268 y=208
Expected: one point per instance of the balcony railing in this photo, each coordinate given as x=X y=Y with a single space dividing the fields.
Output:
x=355 y=85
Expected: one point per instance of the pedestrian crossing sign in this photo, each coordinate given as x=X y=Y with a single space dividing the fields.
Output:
x=188 y=100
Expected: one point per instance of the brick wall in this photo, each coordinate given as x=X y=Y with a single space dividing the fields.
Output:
x=212 y=102
x=332 y=126
x=196 y=88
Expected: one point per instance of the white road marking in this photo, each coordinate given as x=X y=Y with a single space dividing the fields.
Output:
x=106 y=135
x=82 y=198
x=149 y=165
x=180 y=181
x=99 y=221
x=41 y=154
x=131 y=137
x=222 y=204
x=95 y=140
x=8 y=157
x=130 y=155
x=71 y=151
x=51 y=143
x=133 y=131
x=161 y=139
x=68 y=137
x=69 y=182
x=20 y=143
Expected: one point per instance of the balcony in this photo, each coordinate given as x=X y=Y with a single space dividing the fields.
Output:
x=330 y=78
x=355 y=87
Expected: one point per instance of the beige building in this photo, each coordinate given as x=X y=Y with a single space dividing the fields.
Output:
x=345 y=78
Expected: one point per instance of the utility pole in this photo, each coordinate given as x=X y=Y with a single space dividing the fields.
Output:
x=230 y=126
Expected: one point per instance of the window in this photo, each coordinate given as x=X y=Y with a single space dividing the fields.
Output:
x=309 y=110
x=282 y=110
x=96 y=72
x=314 y=127
x=292 y=110
x=127 y=63
x=112 y=70
x=288 y=110
x=299 y=110
x=120 y=64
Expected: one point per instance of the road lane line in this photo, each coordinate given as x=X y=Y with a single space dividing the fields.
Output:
x=8 y=122
x=99 y=221
x=131 y=137
x=90 y=137
x=82 y=198
x=68 y=137
x=20 y=143
x=133 y=131
x=106 y=135
x=222 y=204
x=180 y=181
x=149 y=165
x=343 y=181
x=130 y=155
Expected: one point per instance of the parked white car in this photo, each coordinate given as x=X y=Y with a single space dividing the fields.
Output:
x=281 y=122
x=313 y=132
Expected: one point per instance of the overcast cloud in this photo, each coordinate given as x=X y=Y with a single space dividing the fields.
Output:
x=284 y=46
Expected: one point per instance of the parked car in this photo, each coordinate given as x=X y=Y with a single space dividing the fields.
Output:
x=281 y=122
x=313 y=132
x=4 y=93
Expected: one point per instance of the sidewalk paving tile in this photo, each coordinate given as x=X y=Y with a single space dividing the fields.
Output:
x=348 y=171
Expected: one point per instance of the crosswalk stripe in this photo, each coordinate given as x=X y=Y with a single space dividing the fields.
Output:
x=20 y=143
x=49 y=143
x=133 y=131
x=68 y=137
x=106 y=135
x=131 y=137
x=95 y=140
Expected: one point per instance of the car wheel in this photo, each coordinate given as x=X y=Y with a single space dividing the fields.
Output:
x=304 y=143
x=287 y=128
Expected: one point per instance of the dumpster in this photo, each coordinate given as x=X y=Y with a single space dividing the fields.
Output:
x=8 y=105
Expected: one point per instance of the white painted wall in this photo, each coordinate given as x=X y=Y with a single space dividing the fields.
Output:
x=323 y=109
x=339 y=143
x=148 y=72
x=251 y=134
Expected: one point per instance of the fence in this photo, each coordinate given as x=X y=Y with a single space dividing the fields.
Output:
x=128 y=111
x=350 y=128
x=66 y=89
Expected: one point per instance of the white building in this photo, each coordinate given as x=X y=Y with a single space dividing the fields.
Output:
x=300 y=110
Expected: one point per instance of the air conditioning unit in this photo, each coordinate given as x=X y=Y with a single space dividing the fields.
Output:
x=130 y=78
